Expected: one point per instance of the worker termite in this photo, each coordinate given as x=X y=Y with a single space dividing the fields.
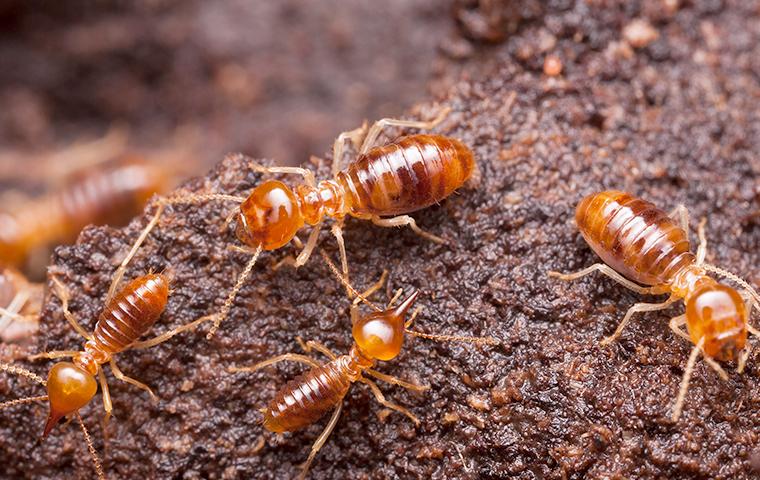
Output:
x=111 y=193
x=20 y=302
x=128 y=314
x=639 y=242
x=377 y=336
x=409 y=174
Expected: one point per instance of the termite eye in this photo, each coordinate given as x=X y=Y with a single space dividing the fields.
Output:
x=717 y=313
x=270 y=216
x=69 y=389
x=380 y=335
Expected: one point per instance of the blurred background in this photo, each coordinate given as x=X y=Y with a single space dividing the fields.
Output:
x=89 y=86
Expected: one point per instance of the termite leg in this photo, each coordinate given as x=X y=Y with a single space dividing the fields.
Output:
x=676 y=323
x=678 y=407
x=277 y=359
x=365 y=295
x=119 y=375
x=743 y=358
x=119 y=274
x=337 y=231
x=321 y=440
x=233 y=293
x=636 y=308
x=340 y=143
x=311 y=242
x=753 y=331
x=53 y=355
x=378 y=126
x=681 y=214
x=387 y=403
x=702 y=248
x=406 y=220
x=171 y=333
x=321 y=348
x=307 y=174
x=107 y=404
x=396 y=381
x=60 y=291
x=609 y=272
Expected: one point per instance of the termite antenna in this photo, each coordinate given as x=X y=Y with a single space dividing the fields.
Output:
x=678 y=408
x=345 y=282
x=13 y=369
x=233 y=293
x=736 y=279
x=21 y=401
x=91 y=448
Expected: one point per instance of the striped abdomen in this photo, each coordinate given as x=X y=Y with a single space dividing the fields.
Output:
x=634 y=237
x=131 y=313
x=306 y=398
x=412 y=173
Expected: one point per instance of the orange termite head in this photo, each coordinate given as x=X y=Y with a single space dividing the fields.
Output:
x=718 y=314
x=69 y=388
x=380 y=335
x=270 y=216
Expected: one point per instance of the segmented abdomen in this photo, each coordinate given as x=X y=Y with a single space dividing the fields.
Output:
x=634 y=237
x=412 y=173
x=306 y=398
x=131 y=312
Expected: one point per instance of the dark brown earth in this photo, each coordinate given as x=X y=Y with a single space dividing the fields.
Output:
x=674 y=120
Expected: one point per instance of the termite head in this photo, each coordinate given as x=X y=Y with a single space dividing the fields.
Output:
x=380 y=335
x=270 y=216
x=69 y=388
x=717 y=313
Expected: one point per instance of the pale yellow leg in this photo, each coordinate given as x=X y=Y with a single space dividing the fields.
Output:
x=60 y=291
x=271 y=361
x=303 y=257
x=378 y=126
x=119 y=274
x=676 y=323
x=386 y=403
x=636 y=308
x=107 y=404
x=119 y=375
x=702 y=248
x=321 y=348
x=396 y=381
x=681 y=214
x=609 y=272
x=321 y=440
x=307 y=174
x=337 y=231
x=355 y=136
x=171 y=333
x=406 y=220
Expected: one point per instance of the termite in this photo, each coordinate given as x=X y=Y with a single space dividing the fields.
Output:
x=128 y=314
x=407 y=175
x=642 y=245
x=378 y=336
x=20 y=302
x=108 y=194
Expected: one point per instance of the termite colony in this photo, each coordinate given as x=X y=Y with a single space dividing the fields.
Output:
x=642 y=245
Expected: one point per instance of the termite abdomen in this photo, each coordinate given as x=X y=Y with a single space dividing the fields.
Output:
x=413 y=173
x=131 y=312
x=306 y=398
x=634 y=237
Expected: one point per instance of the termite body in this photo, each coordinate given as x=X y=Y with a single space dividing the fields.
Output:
x=378 y=336
x=107 y=194
x=639 y=242
x=391 y=180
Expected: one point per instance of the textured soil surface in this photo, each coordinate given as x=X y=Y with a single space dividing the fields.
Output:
x=664 y=107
